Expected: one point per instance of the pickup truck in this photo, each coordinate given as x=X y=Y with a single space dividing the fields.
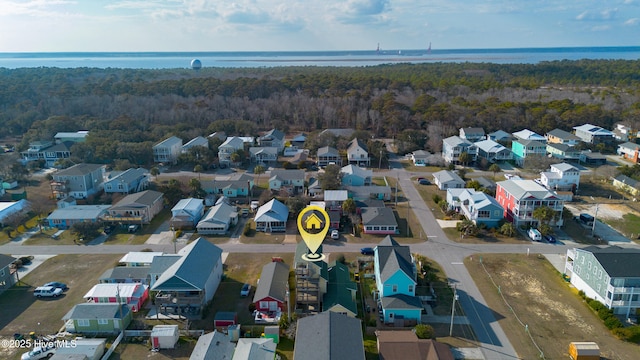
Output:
x=39 y=352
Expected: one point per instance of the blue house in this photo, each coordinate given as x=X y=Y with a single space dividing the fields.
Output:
x=353 y=175
x=65 y=218
x=187 y=213
x=396 y=276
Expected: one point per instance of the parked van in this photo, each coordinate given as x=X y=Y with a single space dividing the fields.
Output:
x=587 y=219
x=535 y=235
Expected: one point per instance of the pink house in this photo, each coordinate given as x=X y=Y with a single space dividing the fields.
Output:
x=132 y=294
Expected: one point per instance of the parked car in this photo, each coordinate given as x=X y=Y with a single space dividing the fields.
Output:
x=108 y=229
x=47 y=291
x=366 y=251
x=133 y=228
x=535 y=235
x=39 y=352
x=550 y=238
x=424 y=182
x=246 y=289
x=335 y=234
x=57 y=285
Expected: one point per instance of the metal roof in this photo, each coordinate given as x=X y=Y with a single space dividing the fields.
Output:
x=79 y=212
x=521 y=189
x=329 y=336
x=274 y=282
x=274 y=210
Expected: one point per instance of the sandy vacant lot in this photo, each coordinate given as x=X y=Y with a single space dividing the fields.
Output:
x=541 y=299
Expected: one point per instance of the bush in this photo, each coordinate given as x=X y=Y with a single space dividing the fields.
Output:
x=424 y=331
x=436 y=198
x=630 y=334
x=247 y=231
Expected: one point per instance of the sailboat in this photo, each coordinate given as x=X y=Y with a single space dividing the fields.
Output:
x=429 y=48
x=378 y=49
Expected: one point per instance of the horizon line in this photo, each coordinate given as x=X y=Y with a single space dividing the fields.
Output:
x=319 y=51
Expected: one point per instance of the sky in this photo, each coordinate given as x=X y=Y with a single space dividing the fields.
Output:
x=307 y=25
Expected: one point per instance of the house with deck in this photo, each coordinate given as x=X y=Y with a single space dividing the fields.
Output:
x=630 y=151
x=476 y=206
x=592 y=134
x=273 y=138
x=559 y=136
x=127 y=182
x=472 y=134
x=328 y=155
x=520 y=198
x=139 y=208
x=198 y=141
x=526 y=134
x=167 y=151
x=65 y=218
x=561 y=176
x=79 y=181
x=291 y=181
x=609 y=275
x=353 y=175
x=272 y=217
x=231 y=145
x=311 y=281
x=447 y=179
x=454 y=146
x=218 y=220
x=357 y=153
x=190 y=279
x=527 y=149
x=563 y=152
x=187 y=213
x=492 y=151
x=232 y=186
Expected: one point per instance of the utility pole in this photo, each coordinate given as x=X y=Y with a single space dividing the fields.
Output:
x=380 y=160
x=595 y=219
x=453 y=308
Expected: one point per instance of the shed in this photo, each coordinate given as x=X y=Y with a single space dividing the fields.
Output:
x=224 y=319
x=272 y=332
x=89 y=349
x=584 y=350
x=164 y=336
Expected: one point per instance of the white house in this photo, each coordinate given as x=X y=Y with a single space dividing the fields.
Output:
x=453 y=146
x=228 y=147
x=357 y=153
x=527 y=134
x=561 y=176
x=593 y=134
x=196 y=141
x=218 y=219
x=272 y=217
x=492 y=151
x=447 y=179
x=168 y=150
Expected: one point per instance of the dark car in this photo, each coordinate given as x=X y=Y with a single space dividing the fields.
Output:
x=57 y=285
x=109 y=229
x=366 y=251
x=424 y=182
x=550 y=238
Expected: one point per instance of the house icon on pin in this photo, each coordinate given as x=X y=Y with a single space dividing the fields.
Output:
x=313 y=222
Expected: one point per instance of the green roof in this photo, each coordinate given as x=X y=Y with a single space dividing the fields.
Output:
x=339 y=289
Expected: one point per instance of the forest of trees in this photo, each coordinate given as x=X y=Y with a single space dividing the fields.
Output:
x=128 y=110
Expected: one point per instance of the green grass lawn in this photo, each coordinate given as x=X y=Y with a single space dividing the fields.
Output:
x=629 y=225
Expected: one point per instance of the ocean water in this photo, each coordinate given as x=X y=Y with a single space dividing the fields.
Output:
x=169 y=60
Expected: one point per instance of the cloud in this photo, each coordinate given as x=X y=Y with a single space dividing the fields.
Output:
x=37 y=8
x=362 y=11
x=632 y=22
x=244 y=16
x=602 y=15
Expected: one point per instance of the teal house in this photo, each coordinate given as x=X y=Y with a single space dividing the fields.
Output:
x=523 y=149
x=98 y=318
x=396 y=277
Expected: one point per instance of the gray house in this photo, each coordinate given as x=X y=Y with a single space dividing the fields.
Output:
x=79 y=181
x=329 y=336
x=168 y=150
x=273 y=138
x=127 y=182
x=447 y=179
x=7 y=279
x=327 y=155
x=609 y=275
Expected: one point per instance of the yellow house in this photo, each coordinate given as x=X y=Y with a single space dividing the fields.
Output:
x=313 y=222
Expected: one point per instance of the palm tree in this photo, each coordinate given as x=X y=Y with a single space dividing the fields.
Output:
x=258 y=170
x=494 y=168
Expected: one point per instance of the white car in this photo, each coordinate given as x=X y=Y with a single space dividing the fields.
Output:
x=39 y=352
x=47 y=291
x=335 y=234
